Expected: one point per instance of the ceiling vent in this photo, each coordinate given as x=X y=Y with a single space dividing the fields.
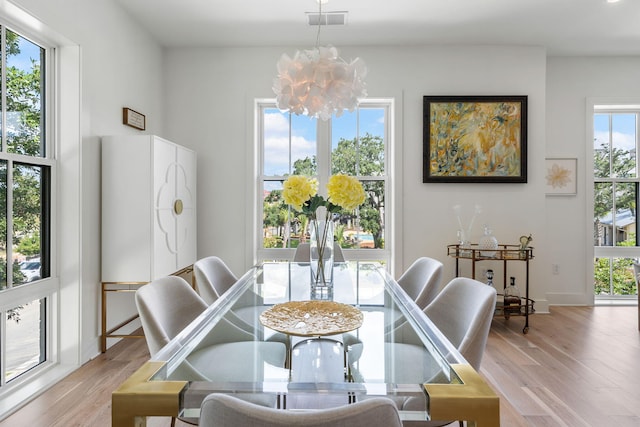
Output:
x=327 y=18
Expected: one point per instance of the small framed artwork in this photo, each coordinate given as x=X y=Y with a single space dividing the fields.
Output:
x=475 y=139
x=133 y=118
x=561 y=176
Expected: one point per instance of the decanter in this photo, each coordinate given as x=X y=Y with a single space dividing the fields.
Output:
x=488 y=241
x=490 y=278
x=512 y=299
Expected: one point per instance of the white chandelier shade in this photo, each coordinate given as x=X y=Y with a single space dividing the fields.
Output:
x=318 y=83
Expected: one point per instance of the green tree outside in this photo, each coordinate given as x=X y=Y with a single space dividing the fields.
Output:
x=614 y=276
x=23 y=130
x=370 y=152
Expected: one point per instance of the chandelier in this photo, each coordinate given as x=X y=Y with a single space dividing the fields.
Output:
x=318 y=83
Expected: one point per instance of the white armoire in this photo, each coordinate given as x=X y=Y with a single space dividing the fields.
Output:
x=148 y=208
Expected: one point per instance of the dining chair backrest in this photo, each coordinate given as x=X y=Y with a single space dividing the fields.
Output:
x=221 y=410
x=422 y=281
x=213 y=278
x=166 y=306
x=303 y=251
x=463 y=311
x=338 y=255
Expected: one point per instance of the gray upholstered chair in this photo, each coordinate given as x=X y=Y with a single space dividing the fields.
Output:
x=302 y=253
x=168 y=305
x=220 y=410
x=212 y=278
x=462 y=311
x=422 y=281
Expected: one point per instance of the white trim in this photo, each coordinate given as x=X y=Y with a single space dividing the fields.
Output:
x=64 y=101
x=600 y=105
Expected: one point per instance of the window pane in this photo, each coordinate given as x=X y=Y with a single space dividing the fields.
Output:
x=344 y=128
x=614 y=276
x=284 y=150
x=304 y=146
x=602 y=276
x=372 y=212
x=273 y=215
x=601 y=160
x=603 y=214
x=625 y=218
x=24 y=80
x=25 y=338
x=27 y=220
x=372 y=131
x=276 y=142
x=358 y=143
x=623 y=141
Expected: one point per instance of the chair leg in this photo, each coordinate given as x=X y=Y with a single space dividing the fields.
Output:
x=461 y=423
x=173 y=422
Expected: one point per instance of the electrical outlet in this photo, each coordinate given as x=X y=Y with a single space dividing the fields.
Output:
x=555 y=269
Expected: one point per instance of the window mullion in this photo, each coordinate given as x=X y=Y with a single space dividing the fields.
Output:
x=323 y=148
x=9 y=214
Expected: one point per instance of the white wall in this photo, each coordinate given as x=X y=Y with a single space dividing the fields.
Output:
x=206 y=95
x=120 y=66
x=210 y=110
x=570 y=83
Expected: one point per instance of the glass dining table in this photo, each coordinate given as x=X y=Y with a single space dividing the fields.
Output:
x=395 y=352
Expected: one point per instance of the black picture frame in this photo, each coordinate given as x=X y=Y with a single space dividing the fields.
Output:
x=475 y=139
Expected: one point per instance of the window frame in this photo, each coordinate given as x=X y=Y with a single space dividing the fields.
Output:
x=47 y=288
x=324 y=149
x=613 y=252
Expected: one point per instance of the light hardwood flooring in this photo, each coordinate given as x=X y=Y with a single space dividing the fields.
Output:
x=577 y=366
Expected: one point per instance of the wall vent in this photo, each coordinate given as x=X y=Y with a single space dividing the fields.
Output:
x=327 y=18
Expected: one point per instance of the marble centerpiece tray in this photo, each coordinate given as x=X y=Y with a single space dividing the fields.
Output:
x=312 y=318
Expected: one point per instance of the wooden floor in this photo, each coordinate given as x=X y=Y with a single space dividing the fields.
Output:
x=577 y=366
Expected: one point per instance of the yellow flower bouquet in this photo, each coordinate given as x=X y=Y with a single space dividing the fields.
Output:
x=301 y=193
x=343 y=191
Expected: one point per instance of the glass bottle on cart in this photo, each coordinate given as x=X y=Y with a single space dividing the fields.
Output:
x=512 y=301
x=490 y=278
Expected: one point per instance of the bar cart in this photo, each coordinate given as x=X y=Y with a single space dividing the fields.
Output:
x=506 y=254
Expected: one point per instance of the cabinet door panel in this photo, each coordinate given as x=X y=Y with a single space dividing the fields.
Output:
x=186 y=192
x=165 y=241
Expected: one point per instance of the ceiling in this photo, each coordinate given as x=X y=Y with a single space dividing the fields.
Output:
x=563 y=27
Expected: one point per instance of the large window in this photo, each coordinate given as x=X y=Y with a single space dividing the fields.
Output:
x=616 y=180
x=25 y=206
x=356 y=144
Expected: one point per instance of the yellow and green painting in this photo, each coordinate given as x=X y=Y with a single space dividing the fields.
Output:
x=475 y=139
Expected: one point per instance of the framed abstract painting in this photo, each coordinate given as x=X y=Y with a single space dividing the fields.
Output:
x=478 y=139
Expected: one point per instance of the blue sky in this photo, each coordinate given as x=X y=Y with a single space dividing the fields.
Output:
x=623 y=128
x=28 y=51
x=303 y=135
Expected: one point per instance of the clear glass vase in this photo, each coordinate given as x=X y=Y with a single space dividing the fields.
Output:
x=464 y=243
x=321 y=255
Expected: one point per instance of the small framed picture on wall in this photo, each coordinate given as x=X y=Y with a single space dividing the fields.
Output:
x=561 y=176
